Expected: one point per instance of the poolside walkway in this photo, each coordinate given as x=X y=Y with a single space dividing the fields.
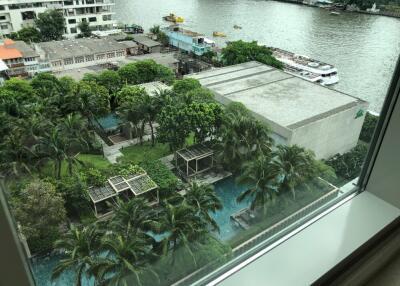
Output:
x=212 y=176
x=168 y=161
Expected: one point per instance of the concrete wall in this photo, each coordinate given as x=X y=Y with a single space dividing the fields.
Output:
x=75 y=65
x=337 y=133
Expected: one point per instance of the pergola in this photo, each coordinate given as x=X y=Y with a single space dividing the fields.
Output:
x=194 y=160
x=128 y=186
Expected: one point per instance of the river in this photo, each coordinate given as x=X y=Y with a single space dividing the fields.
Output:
x=364 y=48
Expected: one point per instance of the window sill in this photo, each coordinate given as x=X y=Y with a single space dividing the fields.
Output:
x=308 y=255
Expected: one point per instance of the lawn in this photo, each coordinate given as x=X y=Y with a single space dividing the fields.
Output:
x=89 y=160
x=140 y=153
x=145 y=152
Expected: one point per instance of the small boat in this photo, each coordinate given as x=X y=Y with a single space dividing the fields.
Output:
x=335 y=13
x=132 y=29
x=237 y=27
x=219 y=34
x=173 y=18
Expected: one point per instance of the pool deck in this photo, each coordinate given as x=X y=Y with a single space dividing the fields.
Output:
x=211 y=177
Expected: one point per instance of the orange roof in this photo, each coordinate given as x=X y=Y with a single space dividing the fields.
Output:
x=7 y=53
x=8 y=42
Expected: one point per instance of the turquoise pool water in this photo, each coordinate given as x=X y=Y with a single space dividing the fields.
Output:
x=226 y=190
x=42 y=273
x=109 y=122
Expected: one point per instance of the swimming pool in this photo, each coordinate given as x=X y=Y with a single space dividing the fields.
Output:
x=109 y=122
x=227 y=190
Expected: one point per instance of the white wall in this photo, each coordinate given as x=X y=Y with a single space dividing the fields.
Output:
x=337 y=133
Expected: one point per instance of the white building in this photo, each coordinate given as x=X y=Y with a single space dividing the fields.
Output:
x=297 y=111
x=16 y=14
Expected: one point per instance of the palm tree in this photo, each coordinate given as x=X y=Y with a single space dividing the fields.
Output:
x=135 y=215
x=261 y=175
x=151 y=109
x=204 y=200
x=182 y=227
x=74 y=126
x=127 y=258
x=58 y=148
x=131 y=112
x=80 y=246
x=296 y=166
x=14 y=155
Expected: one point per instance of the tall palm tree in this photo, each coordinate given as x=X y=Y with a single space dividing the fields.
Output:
x=14 y=155
x=181 y=227
x=127 y=258
x=131 y=112
x=150 y=106
x=296 y=166
x=80 y=245
x=204 y=200
x=74 y=126
x=261 y=175
x=242 y=137
x=58 y=148
x=135 y=215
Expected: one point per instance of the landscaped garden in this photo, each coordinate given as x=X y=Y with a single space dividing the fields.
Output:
x=51 y=156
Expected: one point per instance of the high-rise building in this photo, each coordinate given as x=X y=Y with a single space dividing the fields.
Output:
x=16 y=14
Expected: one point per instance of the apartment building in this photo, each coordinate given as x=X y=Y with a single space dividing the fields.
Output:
x=16 y=14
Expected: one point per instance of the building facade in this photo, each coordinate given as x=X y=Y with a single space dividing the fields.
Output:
x=16 y=14
x=186 y=40
x=21 y=59
x=297 y=111
x=80 y=53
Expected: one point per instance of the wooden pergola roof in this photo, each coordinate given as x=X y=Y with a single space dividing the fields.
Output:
x=195 y=152
x=137 y=183
x=98 y=194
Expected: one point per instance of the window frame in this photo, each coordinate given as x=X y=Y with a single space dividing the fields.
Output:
x=14 y=264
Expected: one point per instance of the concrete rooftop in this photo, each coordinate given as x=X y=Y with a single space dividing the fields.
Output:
x=284 y=99
x=80 y=47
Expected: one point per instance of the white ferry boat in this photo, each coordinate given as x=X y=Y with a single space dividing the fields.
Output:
x=304 y=67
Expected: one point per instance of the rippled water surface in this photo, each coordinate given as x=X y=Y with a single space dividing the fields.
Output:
x=364 y=48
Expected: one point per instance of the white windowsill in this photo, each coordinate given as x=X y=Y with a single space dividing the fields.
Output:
x=312 y=252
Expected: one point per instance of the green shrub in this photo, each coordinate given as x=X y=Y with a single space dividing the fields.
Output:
x=93 y=177
x=368 y=127
x=348 y=165
x=162 y=176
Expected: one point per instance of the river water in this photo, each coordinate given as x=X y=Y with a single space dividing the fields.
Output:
x=364 y=48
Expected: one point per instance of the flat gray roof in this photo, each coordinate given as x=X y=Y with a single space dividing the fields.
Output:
x=284 y=99
x=26 y=50
x=79 y=47
x=146 y=41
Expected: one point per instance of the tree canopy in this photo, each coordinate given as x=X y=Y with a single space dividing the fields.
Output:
x=40 y=210
x=51 y=25
x=27 y=34
x=238 y=52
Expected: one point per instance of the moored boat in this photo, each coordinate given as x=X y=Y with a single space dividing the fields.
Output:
x=309 y=69
x=173 y=18
x=219 y=34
